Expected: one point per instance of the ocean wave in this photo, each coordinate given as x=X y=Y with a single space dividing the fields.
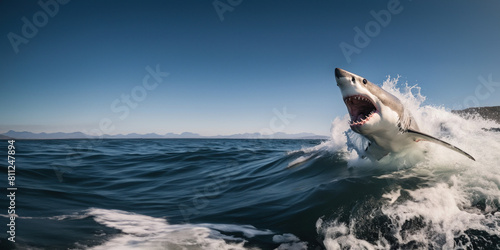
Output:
x=145 y=232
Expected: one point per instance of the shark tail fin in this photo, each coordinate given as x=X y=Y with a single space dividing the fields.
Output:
x=422 y=136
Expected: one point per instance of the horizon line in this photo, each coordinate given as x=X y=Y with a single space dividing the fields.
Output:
x=170 y=135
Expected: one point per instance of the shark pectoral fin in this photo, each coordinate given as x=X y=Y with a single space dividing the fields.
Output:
x=374 y=151
x=418 y=136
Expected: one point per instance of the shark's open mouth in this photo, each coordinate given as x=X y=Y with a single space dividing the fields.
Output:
x=360 y=108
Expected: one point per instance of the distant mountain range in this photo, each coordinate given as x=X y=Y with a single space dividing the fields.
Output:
x=491 y=113
x=186 y=135
x=3 y=137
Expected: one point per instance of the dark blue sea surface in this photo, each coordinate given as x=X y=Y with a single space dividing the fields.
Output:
x=238 y=194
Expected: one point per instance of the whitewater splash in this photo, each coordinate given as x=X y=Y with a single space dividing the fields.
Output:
x=455 y=202
x=139 y=231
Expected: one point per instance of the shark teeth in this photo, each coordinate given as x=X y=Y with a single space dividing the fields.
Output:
x=348 y=99
x=361 y=109
x=362 y=121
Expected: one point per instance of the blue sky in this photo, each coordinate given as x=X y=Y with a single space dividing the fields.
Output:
x=267 y=66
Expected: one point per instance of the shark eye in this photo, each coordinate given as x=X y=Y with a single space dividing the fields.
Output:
x=365 y=81
x=353 y=80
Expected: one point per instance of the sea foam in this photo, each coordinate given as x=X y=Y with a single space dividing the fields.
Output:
x=457 y=200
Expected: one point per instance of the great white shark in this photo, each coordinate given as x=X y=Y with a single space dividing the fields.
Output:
x=381 y=118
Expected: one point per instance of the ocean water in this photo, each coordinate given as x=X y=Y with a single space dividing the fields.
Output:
x=259 y=194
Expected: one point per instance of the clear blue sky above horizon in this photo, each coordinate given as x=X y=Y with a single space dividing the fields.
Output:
x=234 y=75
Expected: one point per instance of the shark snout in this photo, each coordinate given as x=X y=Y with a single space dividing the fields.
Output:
x=340 y=73
x=343 y=77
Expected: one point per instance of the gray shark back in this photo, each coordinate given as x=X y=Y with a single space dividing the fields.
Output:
x=406 y=120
